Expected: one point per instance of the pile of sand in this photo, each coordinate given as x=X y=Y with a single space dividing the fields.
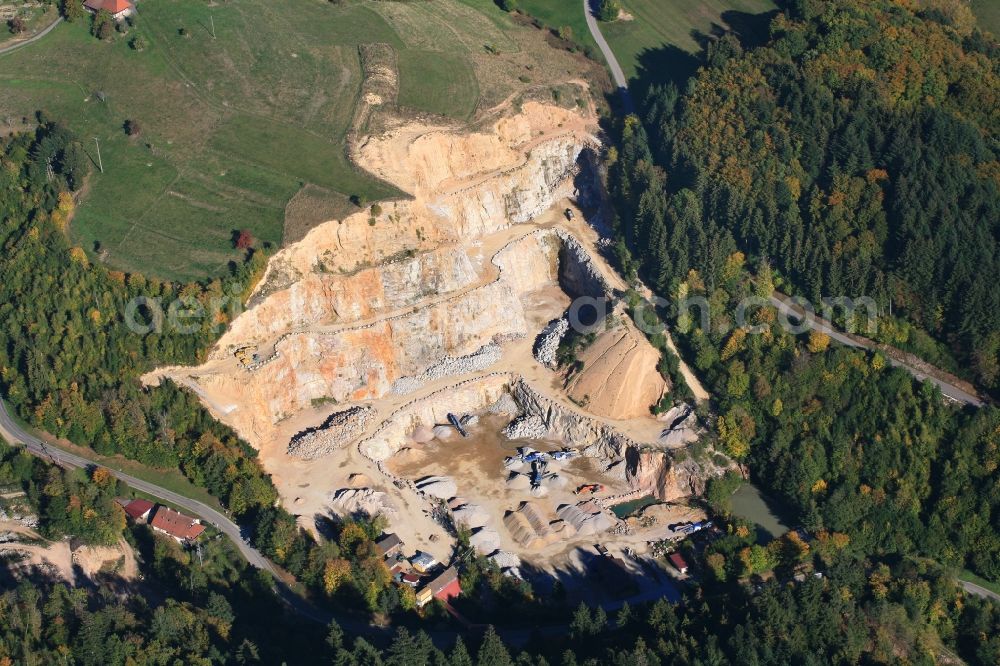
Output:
x=586 y=517
x=359 y=480
x=471 y=516
x=517 y=481
x=485 y=540
x=441 y=487
x=529 y=526
x=619 y=379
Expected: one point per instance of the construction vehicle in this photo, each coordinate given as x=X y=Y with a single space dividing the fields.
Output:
x=592 y=488
x=246 y=355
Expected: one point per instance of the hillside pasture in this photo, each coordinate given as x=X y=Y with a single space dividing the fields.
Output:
x=677 y=24
x=242 y=105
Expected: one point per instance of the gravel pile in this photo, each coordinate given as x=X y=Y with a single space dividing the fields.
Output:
x=529 y=426
x=548 y=341
x=584 y=521
x=339 y=430
x=471 y=515
x=450 y=366
x=505 y=405
x=504 y=559
x=485 y=540
x=438 y=486
x=363 y=501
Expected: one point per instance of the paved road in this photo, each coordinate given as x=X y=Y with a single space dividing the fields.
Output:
x=35 y=38
x=949 y=390
x=15 y=434
x=616 y=70
x=979 y=590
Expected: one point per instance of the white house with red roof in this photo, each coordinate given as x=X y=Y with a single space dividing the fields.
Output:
x=118 y=9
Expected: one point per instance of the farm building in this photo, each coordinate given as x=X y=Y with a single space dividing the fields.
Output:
x=137 y=509
x=444 y=587
x=118 y=9
x=679 y=563
x=389 y=545
x=181 y=527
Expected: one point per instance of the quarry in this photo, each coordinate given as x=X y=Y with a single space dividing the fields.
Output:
x=403 y=360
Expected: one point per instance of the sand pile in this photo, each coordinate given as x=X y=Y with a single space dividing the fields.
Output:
x=586 y=517
x=359 y=480
x=529 y=526
x=518 y=481
x=505 y=559
x=438 y=486
x=619 y=379
x=471 y=516
x=485 y=540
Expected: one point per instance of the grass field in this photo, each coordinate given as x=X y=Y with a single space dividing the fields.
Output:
x=676 y=23
x=987 y=15
x=441 y=83
x=558 y=13
x=967 y=575
x=235 y=124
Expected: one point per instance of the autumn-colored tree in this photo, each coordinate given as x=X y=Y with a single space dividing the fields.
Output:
x=244 y=240
x=335 y=572
x=818 y=342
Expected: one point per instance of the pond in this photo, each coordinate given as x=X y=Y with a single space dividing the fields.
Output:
x=628 y=508
x=750 y=504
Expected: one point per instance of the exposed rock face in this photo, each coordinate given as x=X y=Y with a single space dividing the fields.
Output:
x=595 y=438
x=339 y=429
x=450 y=366
x=468 y=396
x=658 y=474
x=404 y=351
x=578 y=275
x=464 y=185
x=342 y=289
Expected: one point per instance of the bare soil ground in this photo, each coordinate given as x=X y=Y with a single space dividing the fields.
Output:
x=59 y=558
